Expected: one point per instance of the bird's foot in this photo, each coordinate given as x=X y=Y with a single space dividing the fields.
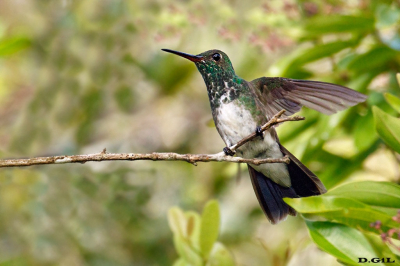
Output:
x=259 y=132
x=228 y=151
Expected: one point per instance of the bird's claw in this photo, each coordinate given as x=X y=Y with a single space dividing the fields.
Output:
x=228 y=151
x=259 y=132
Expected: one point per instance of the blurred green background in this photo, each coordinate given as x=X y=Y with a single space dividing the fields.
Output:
x=80 y=76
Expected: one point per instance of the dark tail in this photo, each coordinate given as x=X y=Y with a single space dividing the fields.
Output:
x=270 y=195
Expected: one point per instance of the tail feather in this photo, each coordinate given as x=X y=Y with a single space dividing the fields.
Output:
x=270 y=195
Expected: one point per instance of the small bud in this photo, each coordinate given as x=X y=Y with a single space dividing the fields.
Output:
x=391 y=232
x=372 y=225
x=378 y=224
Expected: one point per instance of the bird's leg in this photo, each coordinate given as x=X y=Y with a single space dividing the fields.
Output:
x=228 y=151
x=259 y=132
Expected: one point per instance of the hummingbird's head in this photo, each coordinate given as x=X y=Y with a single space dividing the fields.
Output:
x=218 y=74
x=211 y=64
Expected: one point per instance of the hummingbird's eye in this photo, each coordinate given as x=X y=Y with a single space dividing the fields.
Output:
x=216 y=57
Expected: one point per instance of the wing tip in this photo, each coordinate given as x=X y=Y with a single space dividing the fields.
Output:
x=317 y=95
x=304 y=181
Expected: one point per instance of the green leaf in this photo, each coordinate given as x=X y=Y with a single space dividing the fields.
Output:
x=293 y=63
x=361 y=218
x=372 y=60
x=321 y=25
x=321 y=204
x=389 y=211
x=393 y=101
x=13 y=45
x=345 y=243
x=187 y=252
x=383 y=194
x=321 y=51
x=193 y=228
x=220 y=256
x=180 y=262
x=177 y=221
x=364 y=132
x=344 y=210
x=209 y=227
x=388 y=128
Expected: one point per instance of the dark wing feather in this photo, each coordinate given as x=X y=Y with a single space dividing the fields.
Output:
x=276 y=94
x=304 y=182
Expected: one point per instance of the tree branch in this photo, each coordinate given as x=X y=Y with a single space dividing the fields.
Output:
x=168 y=156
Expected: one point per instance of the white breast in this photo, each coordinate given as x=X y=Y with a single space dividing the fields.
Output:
x=234 y=123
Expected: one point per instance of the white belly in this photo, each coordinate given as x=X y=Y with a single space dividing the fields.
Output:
x=236 y=123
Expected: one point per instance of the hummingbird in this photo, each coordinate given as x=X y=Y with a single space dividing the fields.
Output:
x=240 y=107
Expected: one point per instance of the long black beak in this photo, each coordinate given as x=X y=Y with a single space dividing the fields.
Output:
x=193 y=58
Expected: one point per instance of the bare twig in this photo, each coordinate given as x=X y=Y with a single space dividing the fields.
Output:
x=190 y=158
x=168 y=156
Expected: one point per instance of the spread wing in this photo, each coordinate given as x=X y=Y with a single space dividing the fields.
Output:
x=276 y=94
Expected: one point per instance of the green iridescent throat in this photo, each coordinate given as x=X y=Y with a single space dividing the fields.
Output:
x=223 y=86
